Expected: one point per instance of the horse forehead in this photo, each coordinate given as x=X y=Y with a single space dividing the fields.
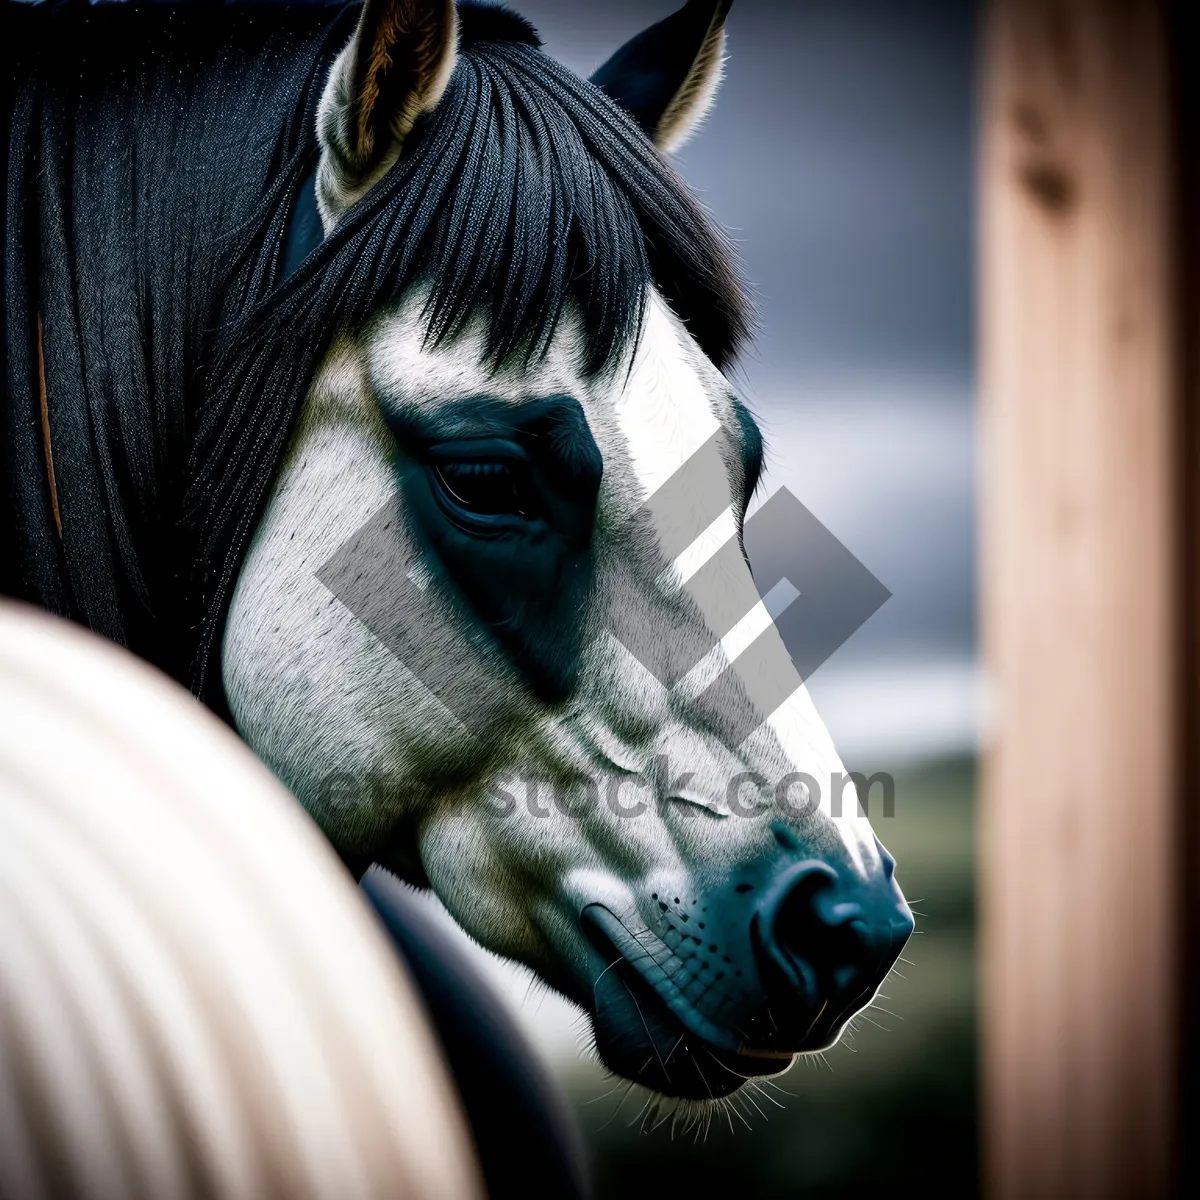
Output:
x=404 y=365
x=668 y=408
x=659 y=409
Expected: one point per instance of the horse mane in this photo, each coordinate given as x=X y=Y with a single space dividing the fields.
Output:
x=154 y=159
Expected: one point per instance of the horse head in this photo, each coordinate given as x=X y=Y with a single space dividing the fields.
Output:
x=496 y=628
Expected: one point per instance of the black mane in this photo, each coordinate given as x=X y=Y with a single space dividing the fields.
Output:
x=154 y=157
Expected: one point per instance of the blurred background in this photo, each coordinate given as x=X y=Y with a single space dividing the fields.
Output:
x=840 y=157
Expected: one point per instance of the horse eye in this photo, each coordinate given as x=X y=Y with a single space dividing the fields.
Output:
x=488 y=489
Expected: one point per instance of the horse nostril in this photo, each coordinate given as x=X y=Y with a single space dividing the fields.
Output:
x=831 y=940
x=810 y=927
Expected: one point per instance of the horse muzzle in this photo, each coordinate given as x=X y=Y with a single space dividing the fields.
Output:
x=733 y=981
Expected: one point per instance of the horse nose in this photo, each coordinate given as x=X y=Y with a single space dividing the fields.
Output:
x=831 y=936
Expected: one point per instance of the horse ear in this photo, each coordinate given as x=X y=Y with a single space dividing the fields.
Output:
x=395 y=68
x=667 y=77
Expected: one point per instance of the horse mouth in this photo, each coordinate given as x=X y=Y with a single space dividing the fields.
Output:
x=648 y=1031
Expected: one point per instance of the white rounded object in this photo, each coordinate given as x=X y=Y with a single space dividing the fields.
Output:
x=194 y=999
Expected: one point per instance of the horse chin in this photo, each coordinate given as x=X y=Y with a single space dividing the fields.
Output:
x=638 y=1036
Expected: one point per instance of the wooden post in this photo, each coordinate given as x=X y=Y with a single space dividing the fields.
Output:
x=1084 y=530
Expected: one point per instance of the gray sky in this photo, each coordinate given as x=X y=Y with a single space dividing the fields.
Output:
x=839 y=156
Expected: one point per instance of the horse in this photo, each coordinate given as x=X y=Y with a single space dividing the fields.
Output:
x=368 y=372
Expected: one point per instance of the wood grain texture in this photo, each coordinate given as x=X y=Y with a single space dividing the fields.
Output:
x=1081 y=601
